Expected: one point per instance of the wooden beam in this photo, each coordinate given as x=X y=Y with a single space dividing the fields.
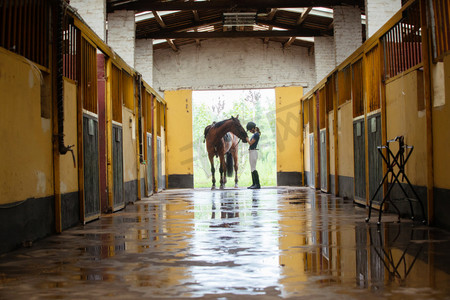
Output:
x=172 y=45
x=331 y=26
x=289 y=42
x=232 y=34
x=272 y=14
x=266 y=39
x=163 y=25
x=186 y=27
x=303 y=16
x=196 y=17
x=140 y=6
x=158 y=19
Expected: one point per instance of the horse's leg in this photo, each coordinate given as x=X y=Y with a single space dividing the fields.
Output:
x=211 y=161
x=222 y=170
x=236 y=167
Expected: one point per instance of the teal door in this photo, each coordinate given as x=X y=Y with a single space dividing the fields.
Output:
x=117 y=150
x=91 y=167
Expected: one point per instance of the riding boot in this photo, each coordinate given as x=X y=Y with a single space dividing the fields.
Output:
x=253 y=181
x=256 y=185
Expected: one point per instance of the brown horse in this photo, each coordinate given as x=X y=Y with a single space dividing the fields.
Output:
x=223 y=138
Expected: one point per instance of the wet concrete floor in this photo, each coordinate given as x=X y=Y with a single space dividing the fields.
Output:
x=234 y=244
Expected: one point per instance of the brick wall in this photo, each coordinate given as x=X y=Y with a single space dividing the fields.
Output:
x=378 y=12
x=121 y=34
x=144 y=59
x=233 y=64
x=324 y=56
x=347 y=31
x=93 y=13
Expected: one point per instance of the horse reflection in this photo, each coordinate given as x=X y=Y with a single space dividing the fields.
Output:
x=229 y=209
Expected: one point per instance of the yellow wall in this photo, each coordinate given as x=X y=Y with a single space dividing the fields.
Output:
x=289 y=130
x=129 y=145
x=179 y=128
x=441 y=133
x=345 y=140
x=69 y=173
x=26 y=144
x=403 y=118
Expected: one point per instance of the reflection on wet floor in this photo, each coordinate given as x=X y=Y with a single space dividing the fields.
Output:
x=234 y=244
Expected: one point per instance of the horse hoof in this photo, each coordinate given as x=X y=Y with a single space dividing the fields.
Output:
x=213 y=187
x=236 y=186
x=222 y=187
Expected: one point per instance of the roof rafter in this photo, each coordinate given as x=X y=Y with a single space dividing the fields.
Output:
x=221 y=4
x=303 y=16
x=163 y=25
x=233 y=34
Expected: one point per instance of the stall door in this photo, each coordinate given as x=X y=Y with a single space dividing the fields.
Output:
x=91 y=167
x=149 y=165
x=90 y=134
x=311 y=159
x=117 y=149
x=323 y=161
x=375 y=160
x=161 y=179
x=359 y=141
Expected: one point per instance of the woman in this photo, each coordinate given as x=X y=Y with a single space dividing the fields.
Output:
x=253 y=153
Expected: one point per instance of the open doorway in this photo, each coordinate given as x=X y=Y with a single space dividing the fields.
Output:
x=251 y=105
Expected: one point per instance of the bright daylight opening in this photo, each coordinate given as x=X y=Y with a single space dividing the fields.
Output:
x=251 y=105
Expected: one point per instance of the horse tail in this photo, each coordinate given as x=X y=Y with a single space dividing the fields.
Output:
x=229 y=164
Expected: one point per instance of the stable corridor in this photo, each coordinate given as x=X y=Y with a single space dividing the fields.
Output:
x=234 y=244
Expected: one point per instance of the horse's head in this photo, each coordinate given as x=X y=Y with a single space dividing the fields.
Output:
x=239 y=130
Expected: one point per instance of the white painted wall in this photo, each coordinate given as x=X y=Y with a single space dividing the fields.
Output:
x=144 y=59
x=121 y=34
x=232 y=64
x=324 y=56
x=378 y=12
x=93 y=13
x=347 y=31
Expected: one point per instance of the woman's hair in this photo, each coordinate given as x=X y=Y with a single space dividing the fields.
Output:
x=257 y=130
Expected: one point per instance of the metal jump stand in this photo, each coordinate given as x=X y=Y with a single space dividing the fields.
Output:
x=400 y=161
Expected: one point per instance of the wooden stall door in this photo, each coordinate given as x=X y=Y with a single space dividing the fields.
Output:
x=359 y=141
x=311 y=159
x=323 y=161
x=101 y=94
x=117 y=190
x=149 y=165
x=161 y=179
x=117 y=150
x=88 y=87
x=375 y=160
x=91 y=167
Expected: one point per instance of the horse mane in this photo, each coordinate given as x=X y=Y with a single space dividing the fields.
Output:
x=218 y=124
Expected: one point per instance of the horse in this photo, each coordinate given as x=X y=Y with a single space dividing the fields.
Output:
x=223 y=138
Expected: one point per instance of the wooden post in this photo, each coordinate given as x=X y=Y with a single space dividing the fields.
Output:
x=336 y=141
x=428 y=107
x=55 y=137
x=109 y=139
x=316 y=141
x=79 y=68
x=383 y=111
x=302 y=170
